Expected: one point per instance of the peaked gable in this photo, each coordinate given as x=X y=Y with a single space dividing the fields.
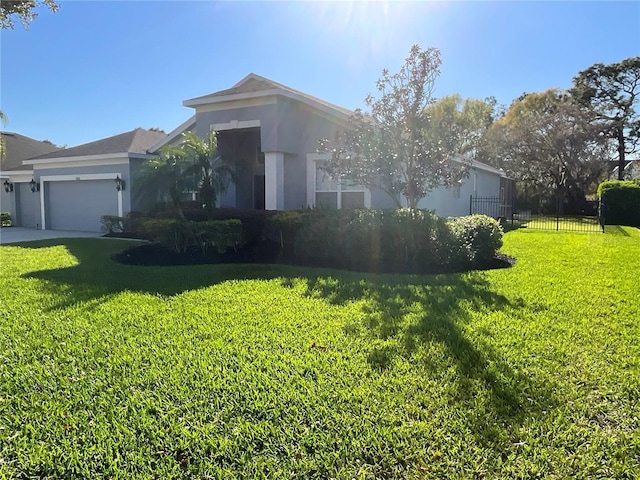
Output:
x=254 y=85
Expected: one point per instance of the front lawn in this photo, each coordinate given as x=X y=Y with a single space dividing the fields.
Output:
x=257 y=371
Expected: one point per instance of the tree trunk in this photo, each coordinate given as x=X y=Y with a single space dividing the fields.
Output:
x=621 y=152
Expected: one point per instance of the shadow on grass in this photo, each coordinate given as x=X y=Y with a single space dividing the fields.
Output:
x=96 y=276
x=405 y=317
x=616 y=230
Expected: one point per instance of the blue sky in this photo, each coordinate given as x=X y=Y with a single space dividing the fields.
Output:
x=95 y=69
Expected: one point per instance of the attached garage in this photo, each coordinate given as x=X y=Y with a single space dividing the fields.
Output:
x=27 y=207
x=79 y=204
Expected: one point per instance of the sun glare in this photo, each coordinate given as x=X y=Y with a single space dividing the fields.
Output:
x=365 y=30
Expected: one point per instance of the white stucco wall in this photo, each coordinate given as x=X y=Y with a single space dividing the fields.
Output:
x=452 y=202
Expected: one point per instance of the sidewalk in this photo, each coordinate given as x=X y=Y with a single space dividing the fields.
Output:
x=21 y=234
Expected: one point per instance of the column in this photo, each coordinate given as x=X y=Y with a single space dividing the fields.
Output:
x=274 y=180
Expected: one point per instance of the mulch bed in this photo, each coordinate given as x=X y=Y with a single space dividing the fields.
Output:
x=158 y=255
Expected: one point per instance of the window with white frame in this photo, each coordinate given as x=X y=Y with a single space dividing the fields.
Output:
x=331 y=193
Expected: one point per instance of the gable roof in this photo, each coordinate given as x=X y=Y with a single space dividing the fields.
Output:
x=631 y=169
x=185 y=126
x=136 y=141
x=254 y=85
x=17 y=147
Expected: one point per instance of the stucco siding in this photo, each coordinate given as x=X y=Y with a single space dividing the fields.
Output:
x=286 y=126
x=266 y=114
x=130 y=195
x=27 y=206
x=488 y=184
x=454 y=202
x=381 y=199
x=301 y=127
x=7 y=203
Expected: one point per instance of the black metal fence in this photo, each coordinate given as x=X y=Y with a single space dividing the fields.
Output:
x=509 y=213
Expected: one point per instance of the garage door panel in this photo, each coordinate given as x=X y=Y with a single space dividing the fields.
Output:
x=78 y=205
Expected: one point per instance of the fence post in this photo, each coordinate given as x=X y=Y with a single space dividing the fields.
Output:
x=601 y=218
x=470 y=204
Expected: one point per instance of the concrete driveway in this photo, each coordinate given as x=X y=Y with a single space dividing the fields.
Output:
x=21 y=234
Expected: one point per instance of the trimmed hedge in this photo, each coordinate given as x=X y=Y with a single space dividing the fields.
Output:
x=621 y=201
x=402 y=241
x=179 y=236
x=222 y=234
x=410 y=241
x=5 y=219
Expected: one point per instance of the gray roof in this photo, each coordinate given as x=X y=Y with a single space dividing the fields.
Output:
x=18 y=148
x=135 y=141
x=254 y=83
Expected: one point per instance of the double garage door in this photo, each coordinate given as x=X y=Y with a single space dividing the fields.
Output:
x=79 y=204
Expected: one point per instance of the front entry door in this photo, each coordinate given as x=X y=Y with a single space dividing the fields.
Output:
x=258 y=192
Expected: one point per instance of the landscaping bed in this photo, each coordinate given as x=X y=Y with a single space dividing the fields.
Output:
x=376 y=241
x=156 y=254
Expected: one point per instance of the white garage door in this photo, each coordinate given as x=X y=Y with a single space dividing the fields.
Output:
x=78 y=205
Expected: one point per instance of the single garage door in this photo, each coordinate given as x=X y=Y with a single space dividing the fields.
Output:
x=78 y=205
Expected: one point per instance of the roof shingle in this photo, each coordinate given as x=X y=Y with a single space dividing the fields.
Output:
x=135 y=141
x=17 y=148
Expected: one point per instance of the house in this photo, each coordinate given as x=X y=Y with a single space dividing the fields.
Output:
x=15 y=192
x=72 y=188
x=271 y=132
x=631 y=170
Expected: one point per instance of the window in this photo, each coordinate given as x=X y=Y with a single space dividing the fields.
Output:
x=455 y=190
x=331 y=193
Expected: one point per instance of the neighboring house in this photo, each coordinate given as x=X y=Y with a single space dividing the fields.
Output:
x=631 y=171
x=75 y=187
x=19 y=200
x=270 y=131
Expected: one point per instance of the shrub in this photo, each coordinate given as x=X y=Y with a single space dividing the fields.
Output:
x=318 y=241
x=621 y=201
x=133 y=224
x=254 y=222
x=475 y=239
x=177 y=235
x=400 y=240
x=223 y=234
x=112 y=224
x=283 y=228
x=5 y=219
x=405 y=240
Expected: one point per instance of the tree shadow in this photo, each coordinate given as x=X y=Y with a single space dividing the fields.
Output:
x=96 y=276
x=404 y=316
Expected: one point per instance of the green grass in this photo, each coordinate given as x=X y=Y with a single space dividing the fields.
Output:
x=571 y=223
x=112 y=371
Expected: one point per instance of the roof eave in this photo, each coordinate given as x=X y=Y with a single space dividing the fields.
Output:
x=78 y=158
x=199 y=101
x=173 y=134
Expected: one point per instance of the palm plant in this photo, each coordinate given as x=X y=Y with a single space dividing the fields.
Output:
x=164 y=176
x=210 y=173
x=192 y=165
